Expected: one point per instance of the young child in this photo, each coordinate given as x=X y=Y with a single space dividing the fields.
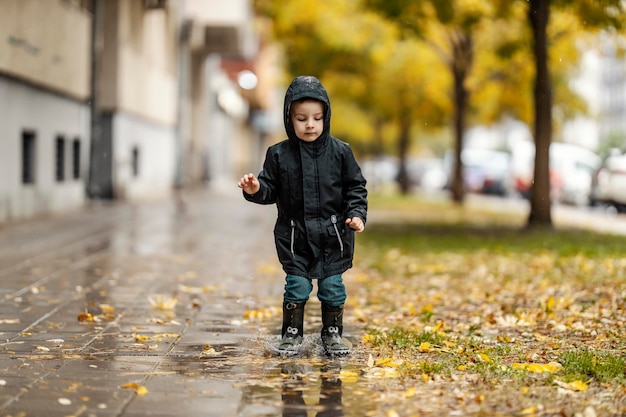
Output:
x=321 y=198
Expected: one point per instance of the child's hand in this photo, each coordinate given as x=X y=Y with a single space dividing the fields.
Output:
x=249 y=184
x=356 y=224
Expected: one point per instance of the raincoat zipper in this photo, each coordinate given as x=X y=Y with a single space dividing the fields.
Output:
x=293 y=234
x=333 y=220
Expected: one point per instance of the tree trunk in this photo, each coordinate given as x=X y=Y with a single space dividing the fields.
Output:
x=540 y=210
x=403 y=150
x=461 y=63
x=379 y=147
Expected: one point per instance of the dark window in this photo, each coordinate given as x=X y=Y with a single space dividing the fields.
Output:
x=135 y=162
x=28 y=158
x=76 y=159
x=59 y=167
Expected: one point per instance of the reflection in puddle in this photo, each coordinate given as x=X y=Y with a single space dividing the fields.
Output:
x=297 y=389
x=307 y=385
x=330 y=393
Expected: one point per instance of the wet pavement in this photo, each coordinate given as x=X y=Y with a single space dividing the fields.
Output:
x=152 y=310
x=172 y=308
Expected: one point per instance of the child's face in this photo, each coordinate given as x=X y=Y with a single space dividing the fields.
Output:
x=307 y=118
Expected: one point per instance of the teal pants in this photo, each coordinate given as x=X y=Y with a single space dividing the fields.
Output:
x=330 y=290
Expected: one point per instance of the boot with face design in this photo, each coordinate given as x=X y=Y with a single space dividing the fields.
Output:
x=293 y=329
x=332 y=330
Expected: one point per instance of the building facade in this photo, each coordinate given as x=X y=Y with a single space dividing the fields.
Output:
x=44 y=111
x=118 y=99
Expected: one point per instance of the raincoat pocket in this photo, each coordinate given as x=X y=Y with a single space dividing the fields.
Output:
x=285 y=239
x=337 y=236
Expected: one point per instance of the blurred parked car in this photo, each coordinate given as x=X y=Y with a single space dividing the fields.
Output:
x=427 y=173
x=485 y=171
x=608 y=186
x=380 y=171
x=575 y=167
x=572 y=168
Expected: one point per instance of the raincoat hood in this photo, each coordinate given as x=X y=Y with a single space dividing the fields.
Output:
x=306 y=86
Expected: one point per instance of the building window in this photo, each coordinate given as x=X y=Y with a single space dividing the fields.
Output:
x=59 y=167
x=28 y=158
x=76 y=159
x=135 y=162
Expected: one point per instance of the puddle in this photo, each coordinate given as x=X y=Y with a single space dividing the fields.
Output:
x=308 y=384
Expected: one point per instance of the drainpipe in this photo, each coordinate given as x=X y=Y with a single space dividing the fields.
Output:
x=96 y=182
x=183 y=39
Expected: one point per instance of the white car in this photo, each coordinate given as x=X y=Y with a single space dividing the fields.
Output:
x=609 y=183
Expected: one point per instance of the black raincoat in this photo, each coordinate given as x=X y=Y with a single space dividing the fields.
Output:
x=316 y=186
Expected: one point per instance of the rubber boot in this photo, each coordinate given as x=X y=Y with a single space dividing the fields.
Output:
x=332 y=330
x=293 y=329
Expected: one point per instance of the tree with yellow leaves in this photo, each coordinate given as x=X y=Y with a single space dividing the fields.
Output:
x=372 y=74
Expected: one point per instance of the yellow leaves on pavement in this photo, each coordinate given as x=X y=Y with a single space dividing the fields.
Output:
x=164 y=303
x=348 y=376
x=86 y=316
x=550 y=367
x=139 y=338
x=262 y=313
x=359 y=314
x=197 y=290
x=381 y=368
x=107 y=308
x=139 y=389
x=208 y=351
x=107 y=313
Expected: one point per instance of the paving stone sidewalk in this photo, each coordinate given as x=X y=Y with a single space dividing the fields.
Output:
x=133 y=310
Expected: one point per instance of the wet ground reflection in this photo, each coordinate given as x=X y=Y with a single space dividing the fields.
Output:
x=330 y=394
x=297 y=388
x=307 y=385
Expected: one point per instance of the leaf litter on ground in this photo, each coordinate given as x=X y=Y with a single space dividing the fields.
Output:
x=494 y=318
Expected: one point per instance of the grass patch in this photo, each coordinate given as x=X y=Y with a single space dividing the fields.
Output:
x=585 y=364
x=466 y=239
x=401 y=338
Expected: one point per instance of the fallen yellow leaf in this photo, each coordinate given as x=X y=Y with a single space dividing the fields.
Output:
x=551 y=367
x=577 y=385
x=377 y=372
x=107 y=308
x=528 y=411
x=139 y=389
x=386 y=362
x=485 y=357
x=163 y=303
x=86 y=317
x=348 y=376
x=424 y=347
